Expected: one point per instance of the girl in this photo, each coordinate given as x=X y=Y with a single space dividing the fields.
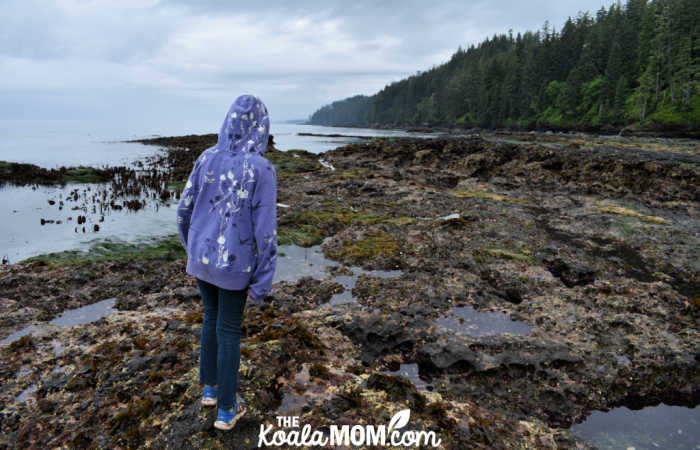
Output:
x=227 y=222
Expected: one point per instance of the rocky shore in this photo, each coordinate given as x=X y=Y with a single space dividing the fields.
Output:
x=22 y=174
x=590 y=244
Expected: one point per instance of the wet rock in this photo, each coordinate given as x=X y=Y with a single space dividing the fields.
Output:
x=380 y=335
x=46 y=406
x=55 y=383
x=187 y=294
x=450 y=355
x=139 y=364
x=127 y=303
x=397 y=389
x=178 y=326
x=557 y=406
x=419 y=310
x=506 y=285
x=569 y=272
x=306 y=293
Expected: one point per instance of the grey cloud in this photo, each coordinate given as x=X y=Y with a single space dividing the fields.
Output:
x=168 y=53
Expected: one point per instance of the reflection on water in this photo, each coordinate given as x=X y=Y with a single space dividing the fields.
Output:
x=69 y=318
x=658 y=427
x=348 y=282
x=85 y=314
x=293 y=402
x=22 y=235
x=470 y=322
x=296 y=262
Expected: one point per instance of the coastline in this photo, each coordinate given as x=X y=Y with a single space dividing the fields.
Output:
x=587 y=241
x=630 y=131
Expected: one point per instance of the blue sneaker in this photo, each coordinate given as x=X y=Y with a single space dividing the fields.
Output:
x=225 y=420
x=209 y=396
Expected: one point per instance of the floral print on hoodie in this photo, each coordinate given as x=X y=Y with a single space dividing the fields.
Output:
x=227 y=216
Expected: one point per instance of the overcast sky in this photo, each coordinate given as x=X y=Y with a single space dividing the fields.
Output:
x=153 y=61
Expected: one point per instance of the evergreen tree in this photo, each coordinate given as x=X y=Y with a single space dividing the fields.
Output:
x=633 y=63
x=621 y=95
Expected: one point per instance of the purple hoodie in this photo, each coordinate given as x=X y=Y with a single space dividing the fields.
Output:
x=227 y=215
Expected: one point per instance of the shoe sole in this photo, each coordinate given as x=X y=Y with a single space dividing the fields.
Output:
x=229 y=425
x=208 y=402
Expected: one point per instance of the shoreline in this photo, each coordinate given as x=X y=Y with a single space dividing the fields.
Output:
x=626 y=131
x=589 y=243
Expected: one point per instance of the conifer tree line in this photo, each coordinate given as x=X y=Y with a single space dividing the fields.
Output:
x=637 y=63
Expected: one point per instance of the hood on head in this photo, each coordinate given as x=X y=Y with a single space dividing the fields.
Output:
x=246 y=127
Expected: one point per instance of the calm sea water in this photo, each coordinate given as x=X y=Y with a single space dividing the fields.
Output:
x=55 y=143
x=58 y=143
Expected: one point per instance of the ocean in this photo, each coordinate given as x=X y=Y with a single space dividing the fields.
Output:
x=56 y=143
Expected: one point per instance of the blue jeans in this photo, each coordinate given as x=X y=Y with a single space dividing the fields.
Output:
x=220 y=350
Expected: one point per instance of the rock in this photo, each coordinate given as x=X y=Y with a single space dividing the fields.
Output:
x=127 y=303
x=451 y=355
x=570 y=273
x=397 y=389
x=46 y=406
x=380 y=335
x=306 y=293
x=187 y=294
x=139 y=364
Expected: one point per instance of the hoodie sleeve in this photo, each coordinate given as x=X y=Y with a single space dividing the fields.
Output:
x=186 y=205
x=264 y=215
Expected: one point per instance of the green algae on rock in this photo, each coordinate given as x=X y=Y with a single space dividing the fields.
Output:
x=166 y=248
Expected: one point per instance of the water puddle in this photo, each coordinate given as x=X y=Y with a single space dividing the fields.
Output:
x=58 y=348
x=69 y=318
x=348 y=282
x=305 y=391
x=295 y=262
x=657 y=427
x=85 y=314
x=410 y=372
x=467 y=321
x=27 y=394
x=18 y=334
x=62 y=369
x=299 y=262
x=293 y=402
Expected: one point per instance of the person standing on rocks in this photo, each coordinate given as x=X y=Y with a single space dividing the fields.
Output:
x=227 y=221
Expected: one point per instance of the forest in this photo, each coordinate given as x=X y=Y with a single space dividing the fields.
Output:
x=634 y=64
